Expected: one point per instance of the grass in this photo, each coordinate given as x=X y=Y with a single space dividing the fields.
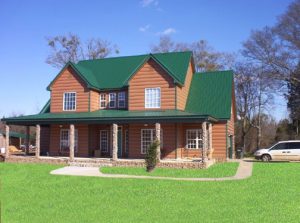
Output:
x=30 y=194
x=217 y=170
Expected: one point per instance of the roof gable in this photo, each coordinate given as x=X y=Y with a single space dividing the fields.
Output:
x=211 y=94
x=77 y=71
x=114 y=73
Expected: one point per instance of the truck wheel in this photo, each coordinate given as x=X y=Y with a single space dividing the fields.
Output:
x=266 y=158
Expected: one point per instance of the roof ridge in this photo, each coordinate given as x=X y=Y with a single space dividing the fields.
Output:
x=139 y=55
x=214 y=71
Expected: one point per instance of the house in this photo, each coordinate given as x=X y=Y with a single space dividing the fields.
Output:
x=115 y=107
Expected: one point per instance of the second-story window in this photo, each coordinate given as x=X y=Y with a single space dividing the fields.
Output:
x=69 y=102
x=102 y=100
x=152 y=98
x=121 y=99
x=112 y=100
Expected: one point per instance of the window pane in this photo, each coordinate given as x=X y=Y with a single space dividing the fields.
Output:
x=104 y=140
x=102 y=101
x=294 y=145
x=112 y=100
x=193 y=138
x=69 y=101
x=121 y=99
x=152 y=98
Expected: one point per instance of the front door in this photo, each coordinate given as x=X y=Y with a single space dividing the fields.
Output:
x=120 y=141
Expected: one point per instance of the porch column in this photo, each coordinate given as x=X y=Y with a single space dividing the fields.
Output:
x=157 y=137
x=210 y=149
x=6 y=141
x=27 y=140
x=204 y=140
x=72 y=142
x=115 y=142
x=37 y=141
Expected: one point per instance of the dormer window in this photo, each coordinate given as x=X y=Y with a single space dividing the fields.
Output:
x=112 y=100
x=102 y=100
x=121 y=99
x=69 y=102
x=152 y=98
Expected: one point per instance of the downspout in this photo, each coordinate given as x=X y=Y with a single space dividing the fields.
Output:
x=176 y=142
x=226 y=134
x=175 y=97
x=89 y=101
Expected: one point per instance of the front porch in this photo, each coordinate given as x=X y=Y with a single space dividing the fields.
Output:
x=184 y=138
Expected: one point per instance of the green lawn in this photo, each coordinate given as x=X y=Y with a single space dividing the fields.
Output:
x=30 y=194
x=217 y=170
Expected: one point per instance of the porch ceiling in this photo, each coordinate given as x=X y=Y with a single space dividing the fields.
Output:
x=109 y=116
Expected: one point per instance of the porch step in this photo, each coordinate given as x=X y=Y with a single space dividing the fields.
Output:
x=90 y=163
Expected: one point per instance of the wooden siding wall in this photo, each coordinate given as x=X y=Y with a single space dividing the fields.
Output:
x=169 y=143
x=83 y=140
x=151 y=75
x=94 y=100
x=219 y=140
x=69 y=81
x=183 y=92
x=45 y=139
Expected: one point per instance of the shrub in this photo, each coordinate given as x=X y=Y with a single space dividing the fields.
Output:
x=151 y=156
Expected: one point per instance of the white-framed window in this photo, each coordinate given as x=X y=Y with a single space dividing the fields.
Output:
x=121 y=99
x=147 y=137
x=65 y=140
x=103 y=100
x=69 y=101
x=152 y=97
x=112 y=100
x=194 y=138
x=104 y=140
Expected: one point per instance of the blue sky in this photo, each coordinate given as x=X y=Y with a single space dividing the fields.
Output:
x=133 y=25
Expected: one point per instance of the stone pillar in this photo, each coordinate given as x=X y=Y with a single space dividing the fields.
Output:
x=115 y=142
x=6 y=141
x=37 y=141
x=72 y=142
x=157 y=137
x=27 y=140
x=204 y=140
x=210 y=149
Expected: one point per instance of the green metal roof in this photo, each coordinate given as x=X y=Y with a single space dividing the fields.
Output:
x=211 y=93
x=107 y=116
x=14 y=134
x=46 y=108
x=114 y=73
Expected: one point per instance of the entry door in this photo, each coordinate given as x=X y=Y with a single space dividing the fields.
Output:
x=294 y=148
x=120 y=141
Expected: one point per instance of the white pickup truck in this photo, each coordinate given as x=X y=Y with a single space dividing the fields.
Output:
x=281 y=151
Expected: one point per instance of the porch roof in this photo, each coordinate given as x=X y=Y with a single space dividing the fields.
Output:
x=109 y=116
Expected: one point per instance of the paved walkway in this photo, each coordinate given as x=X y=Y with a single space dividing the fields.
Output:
x=244 y=171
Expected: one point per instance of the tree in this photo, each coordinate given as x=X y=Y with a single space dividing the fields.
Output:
x=65 y=48
x=205 y=57
x=254 y=97
x=293 y=97
x=151 y=159
x=278 y=47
